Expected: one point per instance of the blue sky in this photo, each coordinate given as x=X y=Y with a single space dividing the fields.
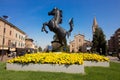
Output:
x=29 y=15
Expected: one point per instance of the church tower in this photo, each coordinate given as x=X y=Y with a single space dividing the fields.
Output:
x=95 y=25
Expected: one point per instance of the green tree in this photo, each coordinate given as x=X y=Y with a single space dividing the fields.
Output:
x=99 y=42
x=39 y=49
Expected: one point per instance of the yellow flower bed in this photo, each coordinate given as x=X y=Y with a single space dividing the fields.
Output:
x=57 y=58
x=94 y=57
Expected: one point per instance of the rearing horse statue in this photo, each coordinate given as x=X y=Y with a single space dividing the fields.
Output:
x=53 y=25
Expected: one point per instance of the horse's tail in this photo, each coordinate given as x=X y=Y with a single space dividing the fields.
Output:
x=71 y=27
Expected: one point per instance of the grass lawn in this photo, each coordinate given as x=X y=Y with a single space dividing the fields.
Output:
x=92 y=73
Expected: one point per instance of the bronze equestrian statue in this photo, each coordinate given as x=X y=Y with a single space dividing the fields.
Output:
x=53 y=25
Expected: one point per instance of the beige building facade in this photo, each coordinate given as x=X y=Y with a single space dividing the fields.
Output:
x=10 y=36
x=79 y=44
x=29 y=43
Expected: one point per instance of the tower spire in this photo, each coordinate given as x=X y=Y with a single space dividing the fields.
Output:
x=95 y=21
x=95 y=25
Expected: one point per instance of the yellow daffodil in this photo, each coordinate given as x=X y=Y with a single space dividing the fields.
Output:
x=58 y=58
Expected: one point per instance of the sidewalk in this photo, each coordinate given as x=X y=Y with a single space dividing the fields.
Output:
x=5 y=58
x=114 y=59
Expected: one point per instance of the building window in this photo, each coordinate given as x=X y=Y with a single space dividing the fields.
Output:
x=19 y=36
x=15 y=43
x=118 y=36
x=16 y=35
x=19 y=44
x=118 y=32
x=9 y=43
x=79 y=40
x=4 y=30
x=10 y=32
x=3 y=40
x=72 y=45
x=118 y=39
x=23 y=38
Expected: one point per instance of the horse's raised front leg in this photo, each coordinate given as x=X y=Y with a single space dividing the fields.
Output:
x=43 y=28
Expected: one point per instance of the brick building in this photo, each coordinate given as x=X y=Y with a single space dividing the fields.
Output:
x=79 y=44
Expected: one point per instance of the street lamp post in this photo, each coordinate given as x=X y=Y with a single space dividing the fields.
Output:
x=5 y=17
x=36 y=47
